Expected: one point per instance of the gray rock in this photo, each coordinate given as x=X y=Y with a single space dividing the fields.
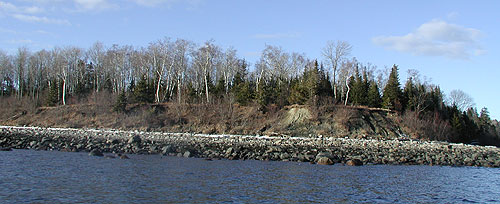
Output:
x=96 y=152
x=354 y=162
x=135 y=140
x=166 y=149
x=324 y=161
x=186 y=154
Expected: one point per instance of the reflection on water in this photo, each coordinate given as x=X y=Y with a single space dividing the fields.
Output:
x=58 y=177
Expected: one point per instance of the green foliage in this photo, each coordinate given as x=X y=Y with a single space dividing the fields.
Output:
x=325 y=86
x=299 y=93
x=53 y=94
x=359 y=88
x=392 y=97
x=121 y=103
x=220 y=88
x=374 y=99
x=242 y=89
x=267 y=94
x=465 y=130
x=143 y=91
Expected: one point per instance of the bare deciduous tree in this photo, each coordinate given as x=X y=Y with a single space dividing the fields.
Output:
x=460 y=99
x=335 y=53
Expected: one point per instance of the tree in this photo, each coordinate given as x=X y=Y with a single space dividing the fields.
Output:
x=460 y=99
x=204 y=59
x=21 y=64
x=334 y=53
x=392 y=92
x=53 y=93
x=242 y=88
x=373 y=98
x=121 y=102
x=143 y=91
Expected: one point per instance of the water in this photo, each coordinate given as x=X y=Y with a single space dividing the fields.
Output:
x=59 y=177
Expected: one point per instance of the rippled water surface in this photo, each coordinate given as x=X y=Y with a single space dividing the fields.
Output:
x=59 y=177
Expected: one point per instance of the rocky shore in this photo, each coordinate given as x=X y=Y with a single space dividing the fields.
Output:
x=319 y=150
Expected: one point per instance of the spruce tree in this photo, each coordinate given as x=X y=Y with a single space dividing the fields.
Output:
x=299 y=93
x=392 y=97
x=373 y=99
x=143 y=92
x=242 y=89
x=53 y=95
x=121 y=102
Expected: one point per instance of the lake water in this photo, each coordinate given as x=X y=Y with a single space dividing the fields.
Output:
x=28 y=176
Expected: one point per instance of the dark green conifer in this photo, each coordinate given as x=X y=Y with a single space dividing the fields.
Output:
x=373 y=99
x=392 y=97
x=121 y=102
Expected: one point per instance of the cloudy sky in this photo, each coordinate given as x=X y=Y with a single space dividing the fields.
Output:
x=454 y=43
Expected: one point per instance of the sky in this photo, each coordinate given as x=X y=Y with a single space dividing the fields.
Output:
x=453 y=43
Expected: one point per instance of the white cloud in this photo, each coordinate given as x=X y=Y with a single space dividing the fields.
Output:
x=94 y=4
x=36 y=19
x=8 y=7
x=152 y=3
x=436 y=38
x=276 y=35
x=191 y=4
x=11 y=8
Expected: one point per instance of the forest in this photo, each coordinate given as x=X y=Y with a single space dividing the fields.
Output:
x=182 y=72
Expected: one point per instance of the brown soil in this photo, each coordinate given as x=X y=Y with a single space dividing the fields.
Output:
x=295 y=120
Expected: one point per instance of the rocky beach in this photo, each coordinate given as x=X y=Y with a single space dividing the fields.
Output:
x=320 y=150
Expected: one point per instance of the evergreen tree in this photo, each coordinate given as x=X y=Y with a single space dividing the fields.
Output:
x=242 y=89
x=324 y=86
x=299 y=93
x=220 y=88
x=392 y=97
x=373 y=99
x=267 y=94
x=121 y=102
x=143 y=92
x=359 y=88
x=53 y=95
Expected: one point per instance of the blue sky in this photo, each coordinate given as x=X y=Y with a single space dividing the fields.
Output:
x=455 y=43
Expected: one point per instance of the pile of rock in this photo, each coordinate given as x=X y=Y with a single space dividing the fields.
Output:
x=326 y=151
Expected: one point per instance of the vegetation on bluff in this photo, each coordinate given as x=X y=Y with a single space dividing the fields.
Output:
x=184 y=75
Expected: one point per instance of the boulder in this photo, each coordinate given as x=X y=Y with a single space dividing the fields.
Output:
x=135 y=140
x=166 y=149
x=186 y=154
x=96 y=152
x=123 y=156
x=354 y=162
x=324 y=161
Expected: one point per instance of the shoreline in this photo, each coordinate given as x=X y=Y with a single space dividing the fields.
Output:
x=278 y=148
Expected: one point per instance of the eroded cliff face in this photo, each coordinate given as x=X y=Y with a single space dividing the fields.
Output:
x=295 y=120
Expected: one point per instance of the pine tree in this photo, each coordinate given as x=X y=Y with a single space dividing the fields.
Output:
x=373 y=99
x=359 y=89
x=242 y=89
x=143 y=92
x=392 y=97
x=121 y=102
x=299 y=93
x=53 y=95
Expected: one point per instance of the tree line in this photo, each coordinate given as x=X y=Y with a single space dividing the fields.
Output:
x=181 y=71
